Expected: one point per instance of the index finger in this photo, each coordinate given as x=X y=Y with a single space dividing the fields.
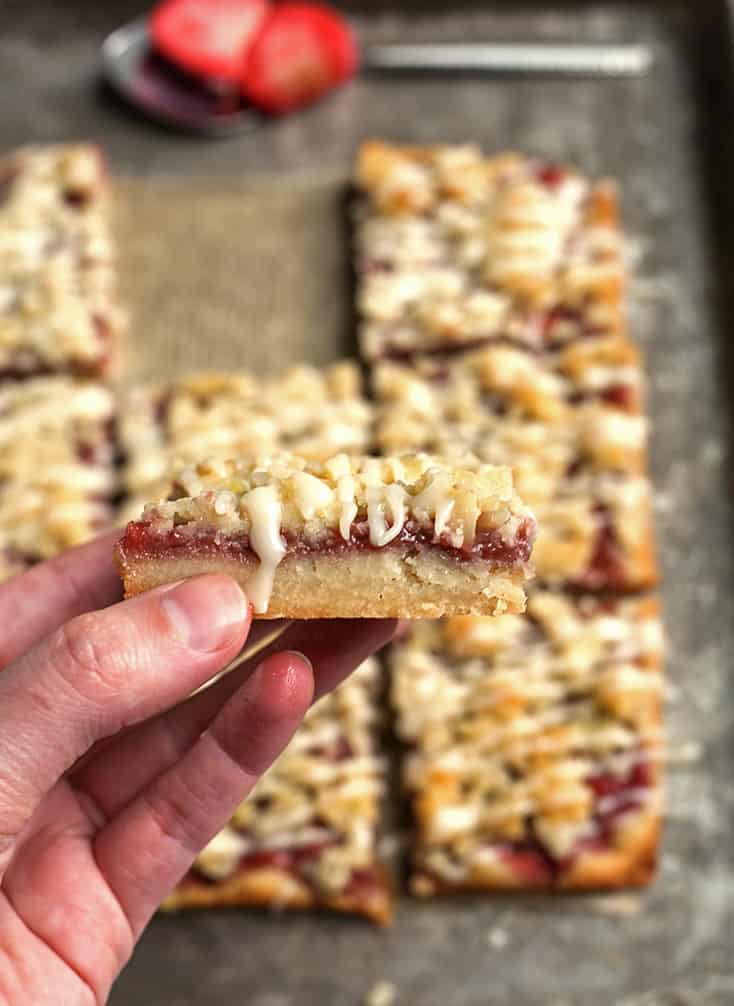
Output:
x=47 y=595
x=103 y=672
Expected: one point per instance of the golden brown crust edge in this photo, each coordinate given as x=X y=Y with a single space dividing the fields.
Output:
x=279 y=890
x=631 y=864
x=643 y=572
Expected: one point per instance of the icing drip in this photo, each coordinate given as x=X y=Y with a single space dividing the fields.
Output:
x=391 y=500
x=264 y=509
x=345 y=490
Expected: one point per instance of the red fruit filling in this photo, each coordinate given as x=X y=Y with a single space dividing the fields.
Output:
x=560 y=316
x=7 y=178
x=439 y=352
x=363 y=883
x=28 y=366
x=530 y=863
x=296 y=861
x=551 y=175
x=447 y=352
x=87 y=453
x=621 y=396
x=615 y=795
x=143 y=541
x=607 y=568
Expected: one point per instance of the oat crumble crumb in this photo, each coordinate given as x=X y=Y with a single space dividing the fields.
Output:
x=382 y=993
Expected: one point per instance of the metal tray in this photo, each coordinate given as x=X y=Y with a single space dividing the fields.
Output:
x=668 y=139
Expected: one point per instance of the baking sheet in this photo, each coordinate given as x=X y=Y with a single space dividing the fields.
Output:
x=666 y=138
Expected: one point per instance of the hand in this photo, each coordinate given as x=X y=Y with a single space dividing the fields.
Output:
x=112 y=775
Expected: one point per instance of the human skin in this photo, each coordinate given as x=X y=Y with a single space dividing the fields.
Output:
x=113 y=775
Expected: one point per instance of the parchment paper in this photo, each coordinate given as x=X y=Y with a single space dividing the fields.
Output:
x=210 y=282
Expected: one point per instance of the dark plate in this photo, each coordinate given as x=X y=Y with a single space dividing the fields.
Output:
x=133 y=68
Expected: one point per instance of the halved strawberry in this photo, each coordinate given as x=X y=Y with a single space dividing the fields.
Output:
x=207 y=38
x=301 y=52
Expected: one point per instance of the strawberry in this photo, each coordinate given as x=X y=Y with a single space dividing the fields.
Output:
x=301 y=52
x=207 y=38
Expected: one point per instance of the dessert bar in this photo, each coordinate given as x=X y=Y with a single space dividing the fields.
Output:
x=455 y=250
x=572 y=432
x=57 y=279
x=306 y=836
x=533 y=745
x=306 y=411
x=57 y=467
x=408 y=537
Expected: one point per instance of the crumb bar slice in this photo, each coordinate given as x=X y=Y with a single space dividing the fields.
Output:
x=572 y=432
x=57 y=467
x=58 y=311
x=364 y=537
x=534 y=745
x=455 y=250
x=306 y=836
x=314 y=413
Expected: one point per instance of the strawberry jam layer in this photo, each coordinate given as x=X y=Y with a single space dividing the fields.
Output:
x=7 y=178
x=143 y=540
x=615 y=796
x=542 y=336
x=440 y=351
x=289 y=860
x=362 y=885
x=620 y=396
x=607 y=569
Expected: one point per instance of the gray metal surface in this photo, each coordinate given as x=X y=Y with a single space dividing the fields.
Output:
x=672 y=945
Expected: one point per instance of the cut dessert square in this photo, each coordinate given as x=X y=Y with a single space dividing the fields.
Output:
x=57 y=280
x=575 y=439
x=408 y=537
x=457 y=250
x=534 y=745
x=306 y=836
x=305 y=411
x=57 y=467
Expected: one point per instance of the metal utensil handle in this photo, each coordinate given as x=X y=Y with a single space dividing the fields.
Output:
x=623 y=60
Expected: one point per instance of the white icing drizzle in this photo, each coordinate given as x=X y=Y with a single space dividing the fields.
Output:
x=392 y=500
x=310 y=494
x=264 y=509
x=345 y=490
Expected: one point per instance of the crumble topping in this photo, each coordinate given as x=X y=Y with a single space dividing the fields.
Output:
x=455 y=248
x=316 y=810
x=382 y=993
x=578 y=459
x=306 y=411
x=529 y=732
x=57 y=279
x=57 y=473
x=276 y=499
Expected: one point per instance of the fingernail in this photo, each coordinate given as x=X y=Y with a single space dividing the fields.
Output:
x=264 y=669
x=302 y=657
x=207 y=614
